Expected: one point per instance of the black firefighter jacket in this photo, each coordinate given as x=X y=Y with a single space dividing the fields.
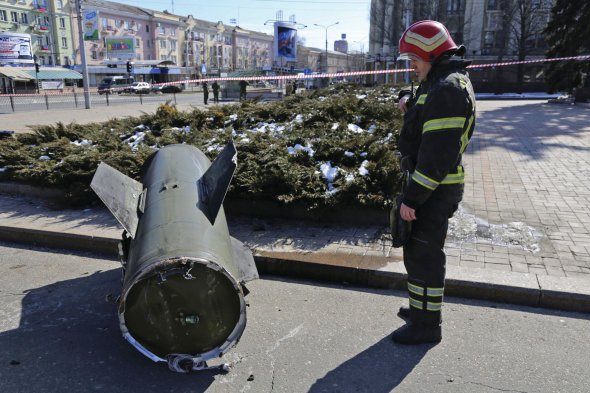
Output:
x=437 y=129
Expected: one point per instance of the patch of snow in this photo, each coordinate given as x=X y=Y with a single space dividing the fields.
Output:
x=334 y=126
x=363 y=171
x=308 y=149
x=356 y=129
x=348 y=153
x=44 y=158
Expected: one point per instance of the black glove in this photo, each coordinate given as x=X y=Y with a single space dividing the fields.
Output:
x=400 y=229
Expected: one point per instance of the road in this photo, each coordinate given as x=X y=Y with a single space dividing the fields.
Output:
x=59 y=333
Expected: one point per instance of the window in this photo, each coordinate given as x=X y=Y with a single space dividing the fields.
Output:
x=162 y=30
x=138 y=56
x=147 y=28
x=38 y=19
x=60 y=4
x=62 y=23
x=173 y=58
x=2 y=15
x=173 y=45
x=66 y=61
x=105 y=23
x=126 y=24
x=39 y=41
x=148 y=43
x=149 y=57
x=13 y=16
x=488 y=39
x=492 y=4
x=173 y=31
x=64 y=42
x=137 y=42
x=94 y=55
x=163 y=44
x=454 y=6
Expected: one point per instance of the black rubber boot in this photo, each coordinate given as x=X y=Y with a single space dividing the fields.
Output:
x=413 y=333
x=422 y=327
x=404 y=312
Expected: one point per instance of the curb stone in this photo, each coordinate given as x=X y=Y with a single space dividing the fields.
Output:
x=367 y=271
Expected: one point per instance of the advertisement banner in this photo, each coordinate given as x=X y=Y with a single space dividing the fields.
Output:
x=285 y=41
x=15 y=48
x=90 y=25
x=120 y=47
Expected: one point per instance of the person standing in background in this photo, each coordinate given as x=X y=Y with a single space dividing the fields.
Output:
x=205 y=93
x=215 y=87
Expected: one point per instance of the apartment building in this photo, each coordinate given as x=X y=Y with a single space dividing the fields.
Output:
x=47 y=22
x=491 y=30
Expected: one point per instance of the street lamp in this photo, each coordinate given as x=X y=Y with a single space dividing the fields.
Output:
x=326 y=28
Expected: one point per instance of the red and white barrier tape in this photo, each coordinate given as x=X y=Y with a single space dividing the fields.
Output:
x=312 y=76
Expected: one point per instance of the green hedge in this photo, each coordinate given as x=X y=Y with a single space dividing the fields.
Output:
x=325 y=121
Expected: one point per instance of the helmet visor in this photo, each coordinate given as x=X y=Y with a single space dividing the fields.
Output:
x=408 y=56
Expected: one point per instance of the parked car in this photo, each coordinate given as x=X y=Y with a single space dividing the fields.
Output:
x=170 y=89
x=139 y=88
x=114 y=84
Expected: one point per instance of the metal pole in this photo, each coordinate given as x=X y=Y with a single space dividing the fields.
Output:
x=83 y=55
x=326 y=29
x=326 y=70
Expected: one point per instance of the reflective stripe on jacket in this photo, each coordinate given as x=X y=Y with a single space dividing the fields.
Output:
x=437 y=129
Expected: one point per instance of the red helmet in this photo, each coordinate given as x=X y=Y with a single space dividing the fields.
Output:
x=426 y=40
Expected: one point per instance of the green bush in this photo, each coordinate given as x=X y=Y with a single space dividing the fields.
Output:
x=282 y=146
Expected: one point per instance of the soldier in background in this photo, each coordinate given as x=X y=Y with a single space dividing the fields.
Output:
x=205 y=93
x=243 y=85
x=215 y=87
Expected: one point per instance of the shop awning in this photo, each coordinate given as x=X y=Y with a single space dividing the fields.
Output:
x=54 y=73
x=15 y=73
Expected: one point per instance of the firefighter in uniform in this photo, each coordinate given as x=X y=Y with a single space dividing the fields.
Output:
x=439 y=119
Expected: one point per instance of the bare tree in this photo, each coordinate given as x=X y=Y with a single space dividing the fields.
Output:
x=530 y=18
x=522 y=22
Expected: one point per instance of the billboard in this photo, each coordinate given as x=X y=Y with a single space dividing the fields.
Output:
x=15 y=48
x=120 y=47
x=90 y=25
x=285 y=41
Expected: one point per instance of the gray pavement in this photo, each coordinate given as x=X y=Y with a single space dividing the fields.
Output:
x=58 y=333
x=24 y=118
x=522 y=234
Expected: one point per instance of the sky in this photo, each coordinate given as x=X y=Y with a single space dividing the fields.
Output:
x=352 y=16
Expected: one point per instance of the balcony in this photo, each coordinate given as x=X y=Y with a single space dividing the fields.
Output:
x=40 y=8
x=42 y=28
x=43 y=48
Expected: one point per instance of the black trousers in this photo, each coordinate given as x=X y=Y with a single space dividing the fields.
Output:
x=424 y=258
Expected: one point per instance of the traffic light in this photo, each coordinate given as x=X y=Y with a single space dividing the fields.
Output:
x=36 y=67
x=129 y=66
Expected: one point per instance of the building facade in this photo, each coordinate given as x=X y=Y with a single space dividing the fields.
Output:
x=48 y=24
x=491 y=30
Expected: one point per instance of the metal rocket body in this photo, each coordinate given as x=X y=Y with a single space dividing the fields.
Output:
x=182 y=299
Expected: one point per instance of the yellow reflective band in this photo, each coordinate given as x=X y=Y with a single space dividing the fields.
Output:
x=443 y=124
x=421 y=99
x=424 y=181
x=433 y=306
x=465 y=136
x=455 y=178
x=434 y=291
x=415 y=303
x=426 y=44
x=415 y=289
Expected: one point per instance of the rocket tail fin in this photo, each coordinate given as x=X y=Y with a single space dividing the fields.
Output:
x=214 y=183
x=244 y=260
x=121 y=195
